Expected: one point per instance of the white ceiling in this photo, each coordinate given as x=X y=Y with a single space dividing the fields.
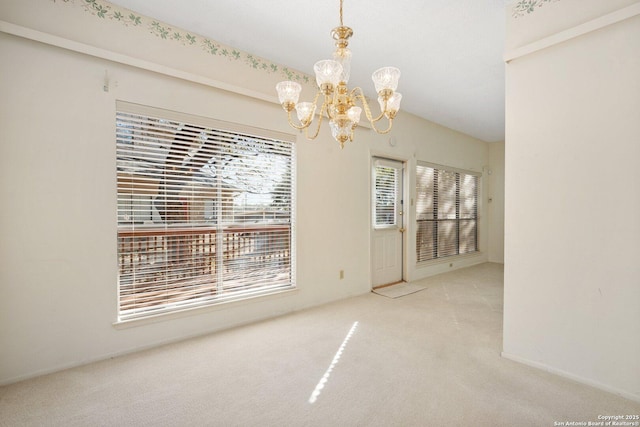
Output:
x=449 y=51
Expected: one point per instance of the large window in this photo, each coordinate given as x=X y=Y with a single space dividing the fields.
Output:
x=446 y=212
x=204 y=211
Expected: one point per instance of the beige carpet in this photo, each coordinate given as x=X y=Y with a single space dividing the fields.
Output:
x=427 y=359
x=399 y=290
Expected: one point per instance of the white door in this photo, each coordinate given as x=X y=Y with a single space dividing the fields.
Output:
x=388 y=222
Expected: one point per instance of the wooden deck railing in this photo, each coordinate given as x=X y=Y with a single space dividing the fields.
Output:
x=167 y=265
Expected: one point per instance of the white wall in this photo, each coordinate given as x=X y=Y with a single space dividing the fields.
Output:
x=58 y=184
x=495 y=201
x=572 y=216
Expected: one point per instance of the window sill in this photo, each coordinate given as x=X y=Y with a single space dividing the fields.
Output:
x=192 y=311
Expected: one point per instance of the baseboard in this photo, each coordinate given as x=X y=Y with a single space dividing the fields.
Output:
x=573 y=377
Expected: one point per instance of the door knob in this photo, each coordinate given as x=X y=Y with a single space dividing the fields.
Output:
x=401 y=229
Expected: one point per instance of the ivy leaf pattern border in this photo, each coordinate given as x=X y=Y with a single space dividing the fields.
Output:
x=103 y=10
x=525 y=7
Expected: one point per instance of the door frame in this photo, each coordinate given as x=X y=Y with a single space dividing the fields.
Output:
x=404 y=218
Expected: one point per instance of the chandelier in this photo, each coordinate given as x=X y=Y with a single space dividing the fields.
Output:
x=339 y=103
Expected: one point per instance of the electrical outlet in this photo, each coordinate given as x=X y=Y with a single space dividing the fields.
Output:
x=341 y=274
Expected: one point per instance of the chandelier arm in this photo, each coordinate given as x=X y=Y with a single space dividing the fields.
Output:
x=293 y=125
x=321 y=115
x=358 y=94
x=382 y=132
x=302 y=125
x=315 y=98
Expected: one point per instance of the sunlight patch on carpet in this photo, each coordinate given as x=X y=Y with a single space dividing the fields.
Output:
x=316 y=392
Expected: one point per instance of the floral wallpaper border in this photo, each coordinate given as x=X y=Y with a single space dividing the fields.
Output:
x=103 y=10
x=525 y=7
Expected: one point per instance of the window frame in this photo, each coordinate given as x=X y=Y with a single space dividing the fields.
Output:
x=279 y=234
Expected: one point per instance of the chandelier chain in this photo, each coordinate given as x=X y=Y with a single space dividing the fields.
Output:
x=341 y=24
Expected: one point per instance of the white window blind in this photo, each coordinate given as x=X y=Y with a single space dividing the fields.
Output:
x=204 y=213
x=446 y=212
x=386 y=189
